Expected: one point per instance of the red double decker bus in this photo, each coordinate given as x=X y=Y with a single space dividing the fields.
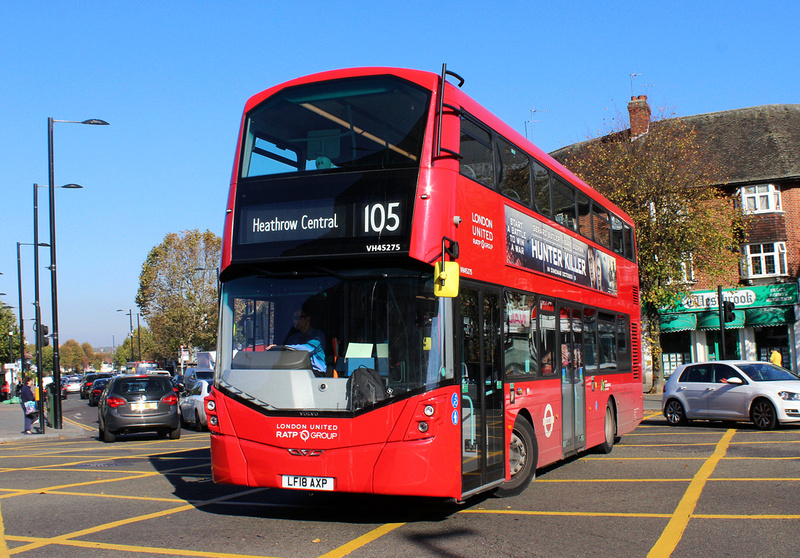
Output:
x=415 y=300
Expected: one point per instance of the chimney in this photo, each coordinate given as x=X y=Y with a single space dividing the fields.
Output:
x=639 y=112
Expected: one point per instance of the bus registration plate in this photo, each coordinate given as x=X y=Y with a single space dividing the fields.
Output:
x=307 y=483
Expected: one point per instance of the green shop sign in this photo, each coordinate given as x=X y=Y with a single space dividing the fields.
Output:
x=784 y=294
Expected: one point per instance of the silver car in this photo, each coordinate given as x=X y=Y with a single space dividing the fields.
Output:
x=734 y=390
x=193 y=405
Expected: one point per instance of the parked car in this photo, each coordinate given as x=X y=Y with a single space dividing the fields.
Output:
x=72 y=384
x=97 y=390
x=760 y=392
x=194 y=373
x=88 y=380
x=142 y=403
x=193 y=406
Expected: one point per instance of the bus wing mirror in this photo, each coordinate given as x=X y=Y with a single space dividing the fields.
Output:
x=445 y=281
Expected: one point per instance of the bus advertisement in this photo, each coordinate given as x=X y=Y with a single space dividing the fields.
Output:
x=415 y=300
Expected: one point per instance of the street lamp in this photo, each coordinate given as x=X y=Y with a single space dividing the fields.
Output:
x=53 y=280
x=130 y=318
x=19 y=291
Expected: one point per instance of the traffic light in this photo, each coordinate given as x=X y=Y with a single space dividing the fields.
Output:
x=45 y=340
x=728 y=308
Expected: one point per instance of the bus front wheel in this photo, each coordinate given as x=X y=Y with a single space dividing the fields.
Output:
x=522 y=457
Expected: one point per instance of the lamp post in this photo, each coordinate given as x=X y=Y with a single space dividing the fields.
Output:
x=37 y=307
x=53 y=276
x=130 y=318
x=19 y=290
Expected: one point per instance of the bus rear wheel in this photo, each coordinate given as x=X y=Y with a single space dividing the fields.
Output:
x=609 y=429
x=522 y=458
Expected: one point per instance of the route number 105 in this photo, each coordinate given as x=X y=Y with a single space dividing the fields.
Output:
x=379 y=218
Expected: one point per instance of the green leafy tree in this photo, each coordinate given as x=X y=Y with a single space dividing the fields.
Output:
x=8 y=324
x=47 y=360
x=141 y=336
x=178 y=292
x=663 y=180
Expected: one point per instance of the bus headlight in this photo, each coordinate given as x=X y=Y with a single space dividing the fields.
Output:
x=423 y=426
x=211 y=405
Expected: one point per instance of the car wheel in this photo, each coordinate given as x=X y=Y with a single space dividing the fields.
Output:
x=522 y=458
x=610 y=430
x=197 y=424
x=674 y=413
x=175 y=434
x=763 y=415
x=108 y=437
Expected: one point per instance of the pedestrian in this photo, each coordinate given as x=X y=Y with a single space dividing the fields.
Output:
x=776 y=358
x=28 y=402
x=5 y=391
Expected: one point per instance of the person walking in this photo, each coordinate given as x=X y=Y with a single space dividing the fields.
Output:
x=28 y=401
x=776 y=358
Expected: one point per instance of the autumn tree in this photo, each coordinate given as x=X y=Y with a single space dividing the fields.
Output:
x=178 y=292
x=72 y=356
x=664 y=180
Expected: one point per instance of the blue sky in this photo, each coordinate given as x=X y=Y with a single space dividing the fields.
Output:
x=172 y=78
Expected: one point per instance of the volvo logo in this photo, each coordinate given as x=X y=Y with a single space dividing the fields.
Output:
x=305 y=452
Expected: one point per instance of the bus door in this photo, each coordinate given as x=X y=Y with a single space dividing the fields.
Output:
x=573 y=386
x=478 y=351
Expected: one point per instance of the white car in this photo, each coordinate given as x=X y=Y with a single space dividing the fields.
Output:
x=73 y=385
x=735 y=390
x=193 y=406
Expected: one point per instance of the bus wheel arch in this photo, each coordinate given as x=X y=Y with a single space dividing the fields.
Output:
x=523 y=457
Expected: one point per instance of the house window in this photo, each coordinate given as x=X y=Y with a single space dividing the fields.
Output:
x=761 y=198
x=764 y=260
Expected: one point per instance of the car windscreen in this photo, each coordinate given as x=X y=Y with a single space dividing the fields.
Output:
x=767 y=372
x=204 y=375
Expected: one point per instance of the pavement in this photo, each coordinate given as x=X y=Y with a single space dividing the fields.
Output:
x=12 y=427
x=11 y=423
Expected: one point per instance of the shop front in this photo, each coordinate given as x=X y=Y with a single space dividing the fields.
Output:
x=763 y=321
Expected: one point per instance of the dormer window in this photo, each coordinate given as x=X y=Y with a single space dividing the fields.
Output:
x=761 y=198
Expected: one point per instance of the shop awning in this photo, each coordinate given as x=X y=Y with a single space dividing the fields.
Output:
x=767 y=316
x=710 y=320
x=678 y=322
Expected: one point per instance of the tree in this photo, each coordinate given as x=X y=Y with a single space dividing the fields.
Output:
x=178 y=292
x=8 y=324
x=72 y=357
x=664 y=181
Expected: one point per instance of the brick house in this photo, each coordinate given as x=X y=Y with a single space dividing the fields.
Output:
x=757 y=151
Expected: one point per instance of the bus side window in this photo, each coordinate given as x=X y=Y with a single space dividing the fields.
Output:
x=547 y=336
x=602 y=230
x=584 y=214
x=515 y=173
x=564 y=204
x=541 y=189
x=616 y=235
x=476 y=153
